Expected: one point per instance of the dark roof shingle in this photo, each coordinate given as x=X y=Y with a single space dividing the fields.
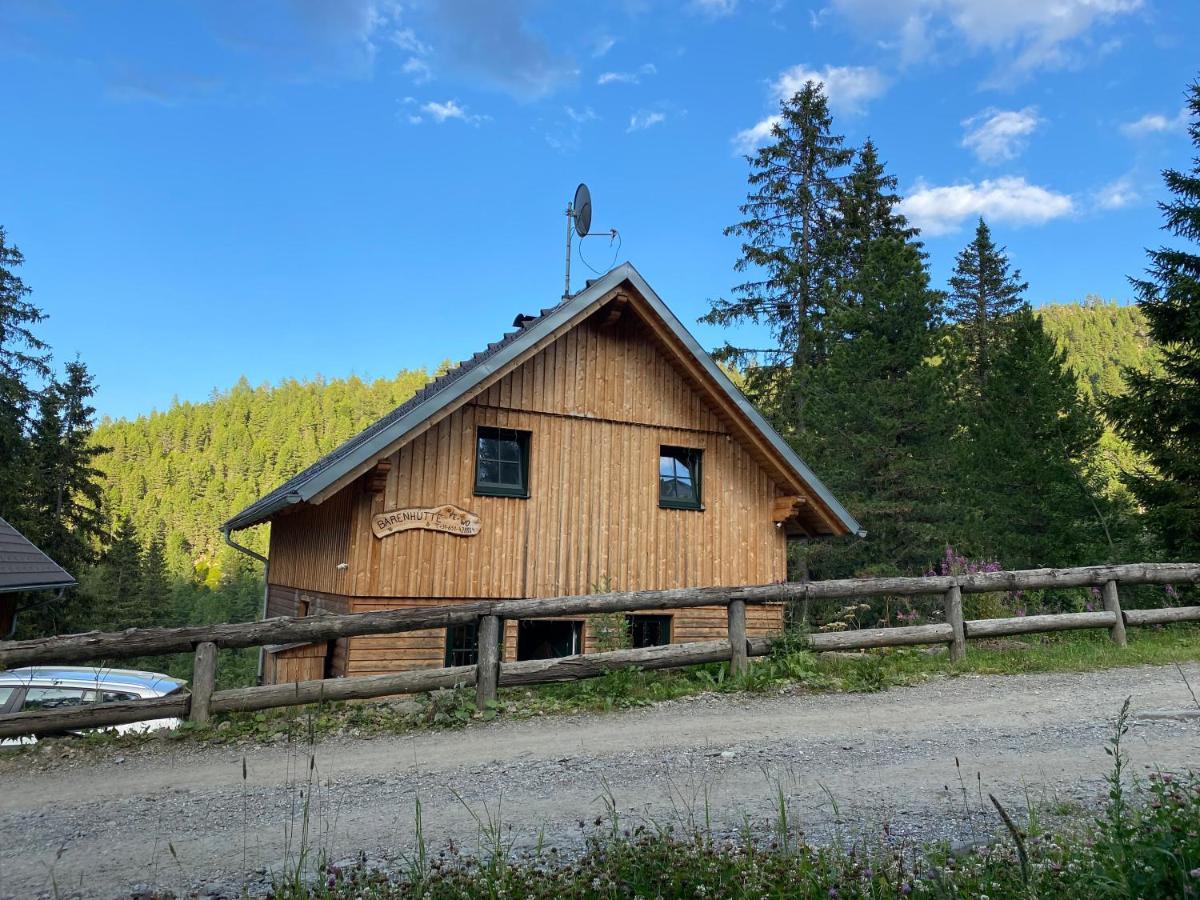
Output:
x=23 y=567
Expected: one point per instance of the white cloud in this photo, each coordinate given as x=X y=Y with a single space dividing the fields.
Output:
x=996 y=135
x=1030 y=34
x=643 y=119
x=1011 y=200
x=406 y=39
x=848 y=88
x=603 y=44
x=747 y=139
x=1117 y=194
x=580 y=116
x=627 y=77
x=715 y=9
x=440 y=112
x=417 y=69
x=1153 y=123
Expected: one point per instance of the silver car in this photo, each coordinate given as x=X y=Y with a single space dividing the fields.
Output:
x=62 y=687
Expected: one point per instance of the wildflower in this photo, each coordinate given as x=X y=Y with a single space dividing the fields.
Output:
x=1195 y=873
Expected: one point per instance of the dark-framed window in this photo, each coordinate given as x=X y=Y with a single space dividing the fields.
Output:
x=501 y=462
x=649 y=631
x=679 y=477
x=462 y=645
x=549 y=638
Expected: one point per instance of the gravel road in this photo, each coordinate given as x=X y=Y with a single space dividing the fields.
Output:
x=180 y=817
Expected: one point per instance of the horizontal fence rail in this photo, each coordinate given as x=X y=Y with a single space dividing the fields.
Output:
x=490 y=672
x=290 y=629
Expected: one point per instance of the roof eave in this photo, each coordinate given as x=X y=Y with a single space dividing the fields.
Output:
x=379 y=443
x=40 y=586
x=793 y=460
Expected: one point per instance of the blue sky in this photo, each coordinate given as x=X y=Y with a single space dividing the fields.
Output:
x=283 y=188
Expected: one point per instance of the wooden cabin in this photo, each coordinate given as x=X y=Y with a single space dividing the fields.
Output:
x=595 y=448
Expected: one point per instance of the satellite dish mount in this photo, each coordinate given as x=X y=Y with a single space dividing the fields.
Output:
x=579 y=221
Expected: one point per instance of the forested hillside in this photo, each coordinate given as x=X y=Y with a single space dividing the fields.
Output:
x=1100 y=338
x=180 y=473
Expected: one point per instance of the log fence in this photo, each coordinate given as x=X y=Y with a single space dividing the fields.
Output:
x=491 y=673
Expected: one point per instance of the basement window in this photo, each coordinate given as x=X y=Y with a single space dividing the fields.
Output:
x=649 y=631
x=546 y=639
x=501 y=462
x=462 y=645
x=679 y=478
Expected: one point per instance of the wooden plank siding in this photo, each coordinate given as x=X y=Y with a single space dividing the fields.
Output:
x=599 y=402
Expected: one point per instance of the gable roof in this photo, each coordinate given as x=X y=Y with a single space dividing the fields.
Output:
x=379 y=439
x=23 y=567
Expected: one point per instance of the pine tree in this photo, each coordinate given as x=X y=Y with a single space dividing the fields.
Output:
x=154 y=592
x=80 y=495
x=62 y=490
x=1031 y=458
x=21 y=351
x=878 y=419
x=789 y=250
x=867 y=210
x=983 y=295
x=116 y=588
x=1160 y=412
x=22 y=354
x=45 y=461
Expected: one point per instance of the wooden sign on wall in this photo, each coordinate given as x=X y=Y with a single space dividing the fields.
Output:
x=448 y=519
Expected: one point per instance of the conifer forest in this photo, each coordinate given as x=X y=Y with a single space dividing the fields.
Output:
x=963 y=423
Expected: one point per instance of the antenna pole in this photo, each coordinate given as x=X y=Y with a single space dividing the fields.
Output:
x=570 y=224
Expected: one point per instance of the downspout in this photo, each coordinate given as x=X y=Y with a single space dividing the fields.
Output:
x=13 y=630
x=262 y=613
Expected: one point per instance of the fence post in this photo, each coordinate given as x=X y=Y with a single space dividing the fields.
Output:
x=204 y=677
x=487 y=666
x=1112 y=603
x=954 y=616
x=739 y=659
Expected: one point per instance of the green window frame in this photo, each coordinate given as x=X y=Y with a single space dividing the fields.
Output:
x=501 y=462
x=648 y=631
x=462 y=645
x=680 y=472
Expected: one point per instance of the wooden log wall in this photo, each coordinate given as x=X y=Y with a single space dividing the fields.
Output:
x=599 y=402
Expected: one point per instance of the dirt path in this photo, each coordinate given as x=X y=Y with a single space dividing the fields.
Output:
x=103 y=826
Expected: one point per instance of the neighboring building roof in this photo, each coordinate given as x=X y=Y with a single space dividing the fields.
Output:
x=377 y=439
x=23 y=567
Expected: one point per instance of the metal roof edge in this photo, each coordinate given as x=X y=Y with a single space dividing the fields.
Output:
x=385 y=438
x=790 y=456
x=41 y=586
x=376 y=445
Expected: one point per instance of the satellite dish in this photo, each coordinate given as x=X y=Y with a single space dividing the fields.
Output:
x=583 y=210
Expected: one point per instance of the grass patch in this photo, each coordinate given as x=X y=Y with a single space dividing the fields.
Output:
x=1144 y=842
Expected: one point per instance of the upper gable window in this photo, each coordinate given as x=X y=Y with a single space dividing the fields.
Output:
x=679 y=477
x=501 y=462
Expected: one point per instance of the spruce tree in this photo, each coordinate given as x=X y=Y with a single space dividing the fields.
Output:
x=983 y=295
x=867 y=210
x=1160 y=412
x=154 y=600
x=22 y=354
x=62 y=490
x=790 y=254
x=1031 y=454
x=116 y=589
x=878 y=419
